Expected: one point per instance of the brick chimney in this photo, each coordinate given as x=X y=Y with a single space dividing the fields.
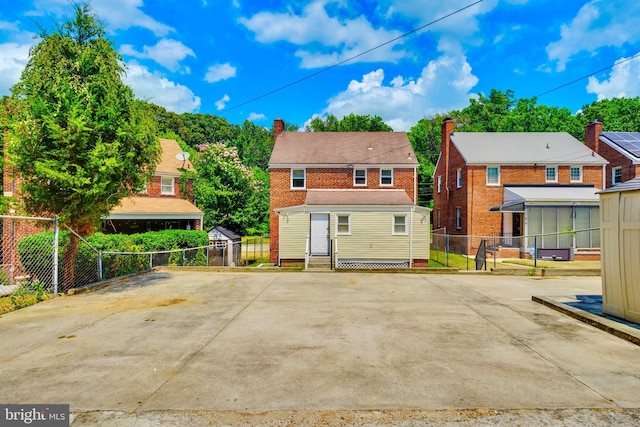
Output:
x=445 y=141
x=278 y=128
x=592 y=135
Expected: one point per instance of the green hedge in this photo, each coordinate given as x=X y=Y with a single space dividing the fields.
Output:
x=36 y=253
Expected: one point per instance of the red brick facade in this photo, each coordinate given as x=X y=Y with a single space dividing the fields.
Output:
x=282 y=195
x=616 y=159
x=475 y=197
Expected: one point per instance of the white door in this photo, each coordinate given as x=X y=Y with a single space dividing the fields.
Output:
x=319 y=234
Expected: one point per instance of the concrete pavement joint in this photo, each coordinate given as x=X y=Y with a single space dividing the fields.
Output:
x=196 y=353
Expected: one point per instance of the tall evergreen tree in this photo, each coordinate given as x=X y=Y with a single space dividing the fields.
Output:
x=78 y=138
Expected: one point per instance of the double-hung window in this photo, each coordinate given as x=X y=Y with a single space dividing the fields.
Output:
x=493 y=175
x=298 y=178
x=576 y=174
x=166 y=185
x=551 y=174
x=439 y=183
x=360 y=177
x=459 y=178
x=344 y=224
x=458 y=218
x=399 y=224
x=386 y=176
x=616 y=176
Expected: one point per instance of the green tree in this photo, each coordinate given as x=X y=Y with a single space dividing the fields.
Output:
x=350 y=123
x=78 y=138
x=224 y=187
x=425 y=141
x=616 y=115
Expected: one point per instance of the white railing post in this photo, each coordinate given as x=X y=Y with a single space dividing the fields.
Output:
x=335 y=251
x=306 y=254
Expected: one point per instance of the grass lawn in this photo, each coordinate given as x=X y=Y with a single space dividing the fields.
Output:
x=462 y=262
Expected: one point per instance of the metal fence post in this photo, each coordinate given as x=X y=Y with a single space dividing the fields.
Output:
x=495 y=249
x=535 y=251
x=446 y=250
x=55 y=256
x=100 y=265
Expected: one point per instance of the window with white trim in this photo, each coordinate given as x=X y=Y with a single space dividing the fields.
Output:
x=399 y=224
x=575 y=173
x=493 y=175
x=551 y=174
x=438 y=220
x=298 y=178
x=343 y=224
x=439 y=183
x=459 y=218
x=386 y=176
x=360 y=177
x=459 y=178
x=166 y=185
x=616 y=175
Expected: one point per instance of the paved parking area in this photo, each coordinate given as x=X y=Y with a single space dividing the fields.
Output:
x=220 y=348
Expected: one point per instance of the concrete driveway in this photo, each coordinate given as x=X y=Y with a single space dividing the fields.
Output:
x=199 y=347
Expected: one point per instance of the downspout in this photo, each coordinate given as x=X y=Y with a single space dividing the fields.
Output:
x=415 y=186
x=279 y=234
x=604 y=177
x=411 y=238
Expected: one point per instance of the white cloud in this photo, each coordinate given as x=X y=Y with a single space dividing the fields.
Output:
x=156 y=88
x=327 y=40
x=8 y=26
x=166 y=52
x=13 y=58
x=443 y=85
x=624 y=81
x=117 y=14
x=256 y=117
x=222 y=102
x=218 y=72
x=597 y=24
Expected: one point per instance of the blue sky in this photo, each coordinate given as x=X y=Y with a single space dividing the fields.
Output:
x=212 y=56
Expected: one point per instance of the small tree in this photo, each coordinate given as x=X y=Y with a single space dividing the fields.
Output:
x=78 y=138
x=224 y=187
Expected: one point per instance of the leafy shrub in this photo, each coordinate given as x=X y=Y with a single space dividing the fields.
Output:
x=36 y=253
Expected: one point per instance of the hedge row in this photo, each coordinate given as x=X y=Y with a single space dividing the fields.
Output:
x=36 y=253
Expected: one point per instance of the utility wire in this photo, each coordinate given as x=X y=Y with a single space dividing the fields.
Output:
x=589 y=75
x=324 y=70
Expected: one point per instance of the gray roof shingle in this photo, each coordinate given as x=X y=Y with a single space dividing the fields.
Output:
x=514 y=148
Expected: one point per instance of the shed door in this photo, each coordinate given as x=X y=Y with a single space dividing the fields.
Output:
x=319 y=234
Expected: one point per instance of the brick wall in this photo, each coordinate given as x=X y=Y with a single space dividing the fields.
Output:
x=475 y=198
x=281 y=195
x=616 y=159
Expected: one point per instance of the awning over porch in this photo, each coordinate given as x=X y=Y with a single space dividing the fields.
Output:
x=517 y=197
x=143 y=207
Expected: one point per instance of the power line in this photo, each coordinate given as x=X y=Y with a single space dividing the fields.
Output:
x=324 y=70
x=589 y=75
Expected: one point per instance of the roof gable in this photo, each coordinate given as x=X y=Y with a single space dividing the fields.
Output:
x=626 y=143
x=523 y=148
x=169 y=163
x=343 y=149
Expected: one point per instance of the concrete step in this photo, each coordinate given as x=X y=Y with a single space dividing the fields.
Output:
x=319 y=263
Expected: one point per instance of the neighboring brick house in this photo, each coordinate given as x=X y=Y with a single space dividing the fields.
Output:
x=621 y=149
x=161 y=206
x=514 y=185
x=348 y=197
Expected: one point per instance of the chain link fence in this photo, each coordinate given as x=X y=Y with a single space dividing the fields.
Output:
x=463 y=251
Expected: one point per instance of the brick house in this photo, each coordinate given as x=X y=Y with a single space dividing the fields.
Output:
x=621 y=149
x=346 y=198
x=516 y=185
x=162 y=205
